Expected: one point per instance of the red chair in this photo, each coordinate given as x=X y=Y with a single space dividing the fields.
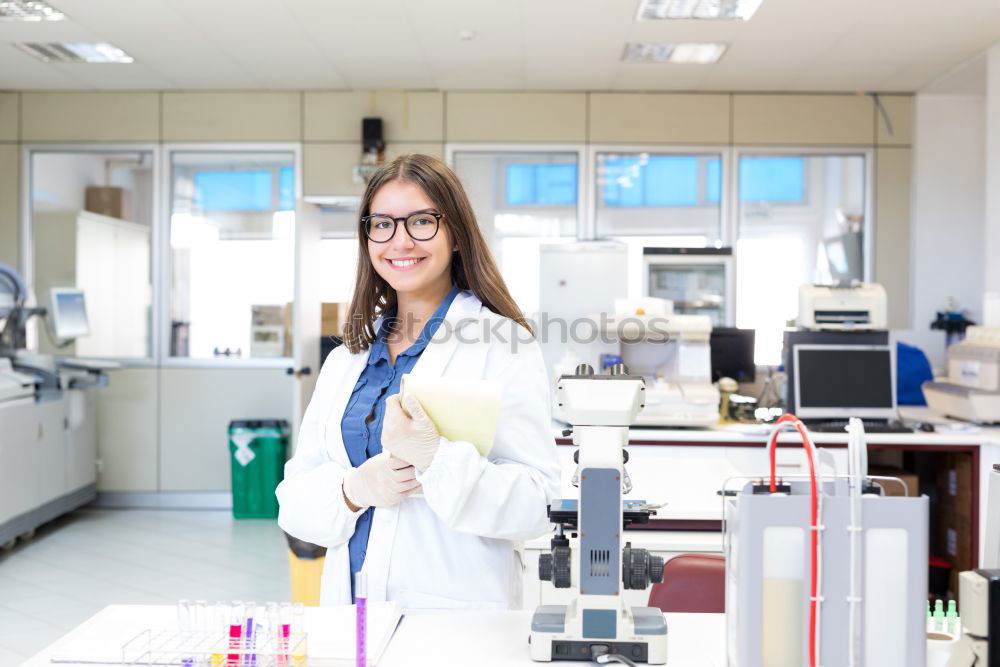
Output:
x=692 y=583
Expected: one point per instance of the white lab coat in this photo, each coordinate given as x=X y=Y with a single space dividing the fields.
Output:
x=457 y=546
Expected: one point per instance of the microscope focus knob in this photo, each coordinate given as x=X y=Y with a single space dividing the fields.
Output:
x=656 y=569
x=561 y=577
x=639 y=568
x=545 y=567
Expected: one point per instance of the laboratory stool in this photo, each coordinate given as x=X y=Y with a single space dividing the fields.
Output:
x=692 y=583
x=306 y=563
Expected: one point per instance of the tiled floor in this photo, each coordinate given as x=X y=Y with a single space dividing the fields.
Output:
x=80 y=563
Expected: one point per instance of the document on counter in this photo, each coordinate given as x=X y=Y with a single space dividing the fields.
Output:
x=331 y=633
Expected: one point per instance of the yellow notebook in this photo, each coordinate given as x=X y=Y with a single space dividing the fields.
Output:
x=463 y=410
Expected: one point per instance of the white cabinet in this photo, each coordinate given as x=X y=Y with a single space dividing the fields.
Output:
x=109 y=259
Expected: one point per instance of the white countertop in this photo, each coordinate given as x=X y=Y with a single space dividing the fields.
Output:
x=948 y=432
x=423 y=638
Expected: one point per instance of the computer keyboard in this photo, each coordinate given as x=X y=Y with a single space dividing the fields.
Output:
x=871 y=426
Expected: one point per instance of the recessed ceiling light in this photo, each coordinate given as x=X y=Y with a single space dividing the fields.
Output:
x=28 y=10
x=75 y=52
x=663 y=52
x=713 y=10
x=467 y=35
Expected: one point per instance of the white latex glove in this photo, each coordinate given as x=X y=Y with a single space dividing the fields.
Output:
x=381 y=481
x=411 y=437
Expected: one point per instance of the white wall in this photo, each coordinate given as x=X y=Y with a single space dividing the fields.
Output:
x=948 y=213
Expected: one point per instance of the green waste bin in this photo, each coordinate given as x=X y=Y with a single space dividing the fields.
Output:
x=257 y=452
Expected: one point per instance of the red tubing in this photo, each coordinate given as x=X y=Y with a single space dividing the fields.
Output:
x=813 y=515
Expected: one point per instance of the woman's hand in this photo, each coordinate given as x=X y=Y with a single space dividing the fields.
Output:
x=412 y=438
x=381 y=481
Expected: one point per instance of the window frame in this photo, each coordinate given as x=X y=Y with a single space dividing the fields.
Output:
x=161 y=295
x=725 y=153
x=582 y=165
x=26 y=226
x=868 y=227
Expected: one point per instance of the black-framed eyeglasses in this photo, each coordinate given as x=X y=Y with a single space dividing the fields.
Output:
x=420 y=225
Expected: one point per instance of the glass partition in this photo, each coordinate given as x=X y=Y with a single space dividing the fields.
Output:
x=91 y=215
x=801 y=219
x=675 y=197
x=232 y=239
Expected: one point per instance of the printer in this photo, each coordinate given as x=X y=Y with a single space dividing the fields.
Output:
x=842 y=307
x=972 y=391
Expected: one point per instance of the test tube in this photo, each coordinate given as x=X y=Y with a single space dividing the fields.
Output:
x=183 y=615
x=285 y=631
x=236 y=618
x=361 y=620
x=199 y=618
x=220 y=624
x=249 y=636
x=298 y=628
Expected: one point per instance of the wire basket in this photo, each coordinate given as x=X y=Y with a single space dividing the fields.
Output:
x=215 y=649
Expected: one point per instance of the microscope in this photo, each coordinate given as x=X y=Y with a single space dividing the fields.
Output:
x=979 y=591
x=597 y=624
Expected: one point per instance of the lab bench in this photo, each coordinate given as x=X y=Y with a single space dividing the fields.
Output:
x=423 y=638
x=686 y=469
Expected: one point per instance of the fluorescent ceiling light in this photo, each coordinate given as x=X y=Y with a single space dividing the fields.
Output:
x=713 y=10
x=75 y=52
x=663 y=52
x=28 y=10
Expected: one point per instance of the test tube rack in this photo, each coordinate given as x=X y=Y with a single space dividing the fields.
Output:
x=214 y=649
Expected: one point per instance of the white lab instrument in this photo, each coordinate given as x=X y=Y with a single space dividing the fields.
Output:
x=597 y=622
x=979 y=591
x=699 y=281
x=991 y=555
x=672 y=352
x=855 y=306
x=868 y=553
x=48 y=415
x=972 y=391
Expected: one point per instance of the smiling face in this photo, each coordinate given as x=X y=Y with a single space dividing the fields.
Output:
x=410 y=267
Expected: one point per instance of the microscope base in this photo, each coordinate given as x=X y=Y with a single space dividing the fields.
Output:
x=646 y=642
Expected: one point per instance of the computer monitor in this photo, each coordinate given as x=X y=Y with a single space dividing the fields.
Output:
x=69 y=313
x=732 y=354
x=840 y=381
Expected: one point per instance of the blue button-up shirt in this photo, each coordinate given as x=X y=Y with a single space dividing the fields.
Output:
x=361 y=425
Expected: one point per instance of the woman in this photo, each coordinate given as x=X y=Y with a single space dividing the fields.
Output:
x=428 y=300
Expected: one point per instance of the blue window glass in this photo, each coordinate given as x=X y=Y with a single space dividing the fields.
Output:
x=541 y=184
x=234 y=190
x=772 y=179
x=671 y=181
x=660 y=180
x=286 y=189
x=713 y=180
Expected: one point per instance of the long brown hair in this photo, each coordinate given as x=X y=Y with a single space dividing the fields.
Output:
x=472 y=265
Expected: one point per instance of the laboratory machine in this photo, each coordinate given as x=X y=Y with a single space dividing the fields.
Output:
x=48 y=411
x=586 y=552
x=979 y=591
x=672 y=352
x=699 y=281
x=842 y=307
x=972 y=390
x=822 y=569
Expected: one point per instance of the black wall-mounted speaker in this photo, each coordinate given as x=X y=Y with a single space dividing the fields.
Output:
x=371 y=135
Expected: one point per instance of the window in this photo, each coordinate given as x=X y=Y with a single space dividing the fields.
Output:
x=675 y=197
x=541 y=184
x=91 y=229
x=232 y=234
x=522 y=200
x=801 y=219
